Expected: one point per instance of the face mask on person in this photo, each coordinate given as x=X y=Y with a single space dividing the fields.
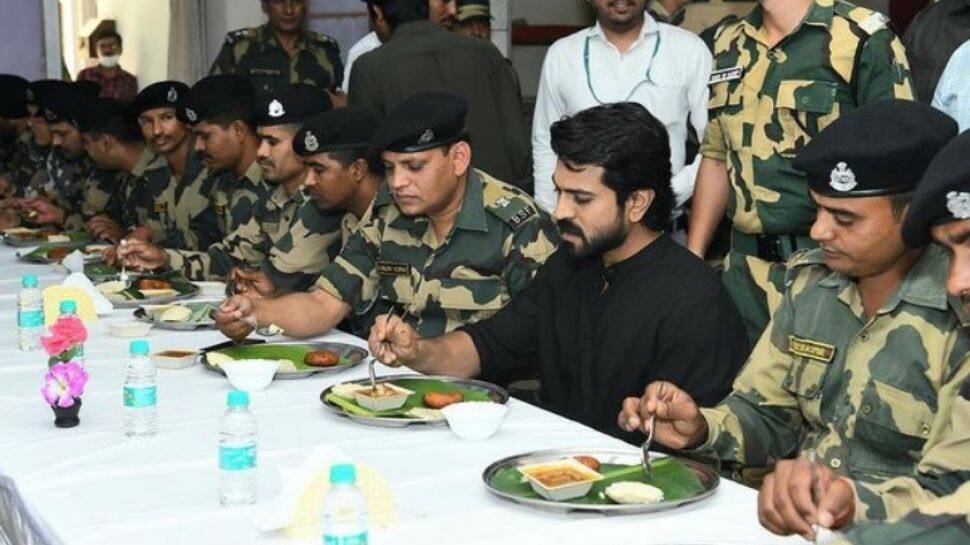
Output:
x=109 y=61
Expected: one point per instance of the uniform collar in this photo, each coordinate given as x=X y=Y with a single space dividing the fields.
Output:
x=649 y=27
x=253 y=174
x=471 y=215
x=416 y=28
x=145 y=159
x=267 y=39
x=924 y=286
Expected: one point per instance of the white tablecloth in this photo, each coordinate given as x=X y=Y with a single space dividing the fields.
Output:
x=92 y=485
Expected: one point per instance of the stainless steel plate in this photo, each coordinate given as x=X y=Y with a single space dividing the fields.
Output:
x=135 y=303
x=708 y=477
x=355 y=354
x=498 y=395
x=143 y=315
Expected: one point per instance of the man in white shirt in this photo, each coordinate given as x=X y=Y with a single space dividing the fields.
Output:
x=626 y=57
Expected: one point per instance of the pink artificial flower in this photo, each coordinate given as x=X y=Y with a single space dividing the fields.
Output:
x=66 y=332
x=64 y=382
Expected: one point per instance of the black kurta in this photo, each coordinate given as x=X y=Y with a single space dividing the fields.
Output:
x=599 y=335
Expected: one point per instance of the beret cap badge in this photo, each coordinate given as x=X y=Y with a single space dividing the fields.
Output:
x=842 y=178
x=427 y=137
x=172 y=96
x=276 y=109
x=958 y=203
x=191 y=115
x=310 y=142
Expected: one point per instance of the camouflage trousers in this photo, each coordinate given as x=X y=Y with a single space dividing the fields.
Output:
x=756 y=284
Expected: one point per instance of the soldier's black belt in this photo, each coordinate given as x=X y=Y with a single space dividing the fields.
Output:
x=775 y=248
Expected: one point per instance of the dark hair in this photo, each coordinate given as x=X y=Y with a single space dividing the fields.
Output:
x=239 y=111
x=108 y=34
x=632 y=147
x=899 y=202
x=125 y=130
x=348 y=157
x=398 y=12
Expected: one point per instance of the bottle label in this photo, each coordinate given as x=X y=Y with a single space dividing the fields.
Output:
x=30 y=318
x=359 y=539
x=237 y=458
x=140 y=397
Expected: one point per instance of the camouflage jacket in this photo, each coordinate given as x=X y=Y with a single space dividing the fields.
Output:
x=99 y=195
x=767 y=103
x=181 y=214
x=499 y=240
x=139 y=189
x=20 y=162
x=255 y=54
x=945 y=521
x=64 y=185
x=873 y=397
x=235 y=202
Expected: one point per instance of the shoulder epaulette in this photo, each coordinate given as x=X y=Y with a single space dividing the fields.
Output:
x=508 y=203
x=325 y=40
x=801 y=259
x=867 y=20
x=240 y=35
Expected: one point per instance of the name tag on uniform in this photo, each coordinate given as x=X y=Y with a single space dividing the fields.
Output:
x=390 y=268
x=161 y=207
x=810 y=349
x=726 y=74
x=264 y=72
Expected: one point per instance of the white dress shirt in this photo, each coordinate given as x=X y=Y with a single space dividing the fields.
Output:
x=679 y=71
x=365 y=45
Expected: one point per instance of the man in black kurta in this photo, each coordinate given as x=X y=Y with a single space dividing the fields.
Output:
x=619 y=305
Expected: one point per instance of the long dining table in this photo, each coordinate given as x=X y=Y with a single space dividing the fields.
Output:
x=91 y=485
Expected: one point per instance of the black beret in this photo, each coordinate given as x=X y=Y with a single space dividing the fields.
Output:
x=86 y=88
x=422 y=122
x=214 y=94
x=13 y=96
x=294 y=103
x=943 y=195
x=336 y=130
x=881 y=148
x=63 y=102
x=99 y=114
x=162 y=94
x=37 y=90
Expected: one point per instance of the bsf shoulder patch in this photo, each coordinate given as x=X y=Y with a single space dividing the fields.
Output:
x=391 y=268
x=873 y=23
x=810 y=349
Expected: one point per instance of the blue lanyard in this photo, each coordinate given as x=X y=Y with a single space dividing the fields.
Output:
x=646 y=76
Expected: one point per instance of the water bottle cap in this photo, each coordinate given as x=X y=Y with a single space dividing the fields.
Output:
x=343 y=474
x=29 y=281
x=238 y=398
x=68 y=305
x=138 y=348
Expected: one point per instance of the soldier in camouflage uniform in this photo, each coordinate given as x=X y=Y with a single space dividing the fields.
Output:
x=282 y=51
x=940 y=212
x=440 y=275
x=219 y=110
x=865 y=355
x=702 y=17
x=14 y=135
x=768 y=99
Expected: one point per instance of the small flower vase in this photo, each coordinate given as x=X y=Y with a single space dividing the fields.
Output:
x=66 y=417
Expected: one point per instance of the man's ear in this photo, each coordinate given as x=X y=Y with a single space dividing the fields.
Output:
x=358 y=170
x=460 y=155
x=638 y=203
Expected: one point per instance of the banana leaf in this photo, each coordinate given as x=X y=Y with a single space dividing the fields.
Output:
x=420 y=387
x=675 y=479
x=293 y=352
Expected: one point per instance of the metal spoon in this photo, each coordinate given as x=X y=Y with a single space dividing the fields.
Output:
x=812 y=457
x=384 y=346
x=124 y=278
x=645 y=448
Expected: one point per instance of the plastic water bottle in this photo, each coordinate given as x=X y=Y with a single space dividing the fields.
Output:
x=30 y=314
x=237 y=452
x=68 y=307
x=344 y=509
x=140 y=392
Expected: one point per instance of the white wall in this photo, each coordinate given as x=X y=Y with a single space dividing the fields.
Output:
x=225 y=15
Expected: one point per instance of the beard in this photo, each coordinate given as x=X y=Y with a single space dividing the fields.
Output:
x=604 y=241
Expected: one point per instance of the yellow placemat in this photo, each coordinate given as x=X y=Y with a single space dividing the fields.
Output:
x=53 y=296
